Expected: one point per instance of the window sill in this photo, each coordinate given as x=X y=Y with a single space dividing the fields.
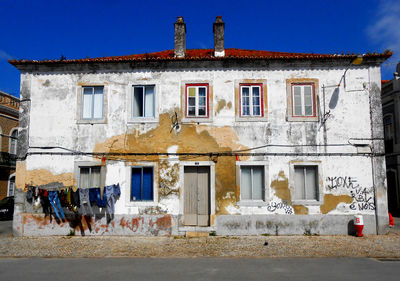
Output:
x=251 y=119
x=302 y=119
x=91 y=121
x=252 y=203
x=196 y=120
x=141 y=204
x=307 y=202
x=143 y=120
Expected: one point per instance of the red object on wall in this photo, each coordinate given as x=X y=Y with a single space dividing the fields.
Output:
x=359 y=229
x=391 y=220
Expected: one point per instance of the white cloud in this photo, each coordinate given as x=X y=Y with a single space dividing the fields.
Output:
x=4 y=55
x=385 y=30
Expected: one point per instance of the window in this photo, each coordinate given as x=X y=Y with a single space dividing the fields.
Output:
x=93 y=102
x=90 y=176
x=142 y=184
x=197 y=100
x=14 y=142
x=303 y=100
x=252 y=183
x=11 y=185
x=143 y=102
x=251 y=100
x=306 y=183
x=388 y=133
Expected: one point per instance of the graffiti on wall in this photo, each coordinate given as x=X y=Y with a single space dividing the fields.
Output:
x=362 y=196
x=273 y=206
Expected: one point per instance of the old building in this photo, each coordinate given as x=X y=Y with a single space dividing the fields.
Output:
x=391 y=123
x=218 y=140
x=8 y=142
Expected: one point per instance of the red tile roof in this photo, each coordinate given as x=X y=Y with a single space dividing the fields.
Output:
x=208 y=54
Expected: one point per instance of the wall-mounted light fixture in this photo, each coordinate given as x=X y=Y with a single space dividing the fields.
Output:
x=357 y=61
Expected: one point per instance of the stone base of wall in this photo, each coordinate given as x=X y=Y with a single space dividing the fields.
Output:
x=140 y=225
x=291 y=225
x=166 y=225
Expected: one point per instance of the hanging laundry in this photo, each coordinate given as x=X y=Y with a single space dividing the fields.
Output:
x=95 y=197
x=86 y=208
x=75 y=201
x=29 y=194
x=63 y=198
x=36 y=199
x=44 y=200
x=112 y=193
x=55 y=203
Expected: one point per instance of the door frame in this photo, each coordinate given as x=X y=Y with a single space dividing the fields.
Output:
x=182 y=166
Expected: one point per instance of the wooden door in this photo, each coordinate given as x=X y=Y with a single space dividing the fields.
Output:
x=197 y=195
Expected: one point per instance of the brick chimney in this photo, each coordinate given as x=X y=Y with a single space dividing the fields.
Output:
x=180 y=38
x=219 y=29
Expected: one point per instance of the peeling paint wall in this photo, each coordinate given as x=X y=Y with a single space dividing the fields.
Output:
x=52 y=120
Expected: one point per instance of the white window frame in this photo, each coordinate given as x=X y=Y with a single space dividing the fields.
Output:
x=92 y=102
x=251 y=202
x=80 y=104
x=197 y=98
x=89 y=164
x=144 y=100
x=11 y=141
x=251 y=87
x=302 y=89
x=319 y=182
x=129 y=101
x=128 y=188
x=290 y=84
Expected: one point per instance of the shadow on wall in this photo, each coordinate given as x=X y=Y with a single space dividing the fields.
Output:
x=334 y=99
x=350 y=228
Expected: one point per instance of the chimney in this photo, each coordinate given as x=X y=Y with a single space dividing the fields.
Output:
x=180 y=38
x=219 y=29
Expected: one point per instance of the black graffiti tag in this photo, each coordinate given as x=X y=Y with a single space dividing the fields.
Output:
x=273 y=206
x=339 y=182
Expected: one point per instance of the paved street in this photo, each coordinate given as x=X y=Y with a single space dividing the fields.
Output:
x=199 y=269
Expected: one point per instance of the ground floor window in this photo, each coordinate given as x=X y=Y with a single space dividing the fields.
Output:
x=306 y=183
x=90 y=177
x=252 y=183
x=142 y=184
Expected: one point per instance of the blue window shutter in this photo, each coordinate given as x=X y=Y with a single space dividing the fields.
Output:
x=148 y=184
x=136 y=184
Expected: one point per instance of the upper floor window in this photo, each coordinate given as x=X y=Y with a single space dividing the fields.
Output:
x=13 y=142
x=93 y=102
x=388 y=133
x=251 y=100
x=303 y=100
x=197 y=100
x=143 y=102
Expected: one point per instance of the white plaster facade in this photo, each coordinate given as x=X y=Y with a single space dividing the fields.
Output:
x=339 y=143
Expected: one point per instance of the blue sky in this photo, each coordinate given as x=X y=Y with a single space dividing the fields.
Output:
x=77 y=29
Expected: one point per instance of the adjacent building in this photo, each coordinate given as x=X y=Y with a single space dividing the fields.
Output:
x=391 y=121
x=229 y=141
x=9 y=114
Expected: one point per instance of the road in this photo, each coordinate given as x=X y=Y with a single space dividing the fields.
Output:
x=194 y=269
